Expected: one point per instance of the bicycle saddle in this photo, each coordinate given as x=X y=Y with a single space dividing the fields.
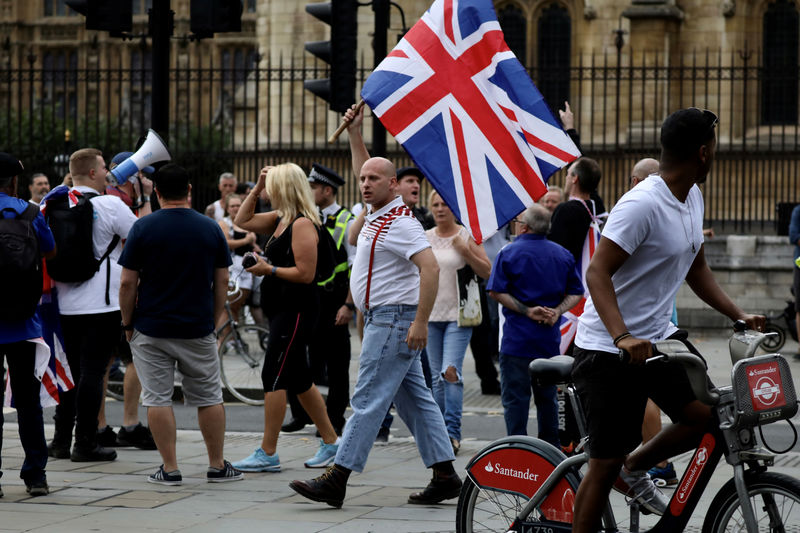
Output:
x=556 y=369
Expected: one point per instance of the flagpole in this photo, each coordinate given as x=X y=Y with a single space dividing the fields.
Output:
x=344 y=124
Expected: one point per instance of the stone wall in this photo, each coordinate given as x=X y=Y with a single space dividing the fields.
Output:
x=755 y=271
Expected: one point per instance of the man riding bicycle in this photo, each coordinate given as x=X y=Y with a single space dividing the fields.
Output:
x=653 y=240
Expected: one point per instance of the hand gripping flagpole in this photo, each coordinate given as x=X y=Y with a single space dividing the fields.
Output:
x=343 y=126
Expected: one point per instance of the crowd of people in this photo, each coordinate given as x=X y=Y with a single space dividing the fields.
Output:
x=412 y=278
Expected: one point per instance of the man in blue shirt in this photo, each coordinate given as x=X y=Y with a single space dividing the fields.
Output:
x=18 y=351
x=536 y=280
x=794 y=238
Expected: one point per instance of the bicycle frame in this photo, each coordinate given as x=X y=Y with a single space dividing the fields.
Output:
x=683 y=503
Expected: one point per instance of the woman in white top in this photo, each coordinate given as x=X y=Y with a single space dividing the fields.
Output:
x=447 y=341
x=240 y=242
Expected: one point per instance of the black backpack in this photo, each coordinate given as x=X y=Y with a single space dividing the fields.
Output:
x=20 y=264
x=72 y=231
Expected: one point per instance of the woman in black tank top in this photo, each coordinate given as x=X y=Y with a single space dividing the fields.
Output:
x=289 y=297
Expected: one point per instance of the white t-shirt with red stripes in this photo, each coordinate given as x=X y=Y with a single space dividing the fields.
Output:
x=383 y=273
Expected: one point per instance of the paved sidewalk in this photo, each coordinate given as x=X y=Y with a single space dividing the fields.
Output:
x=115 y=496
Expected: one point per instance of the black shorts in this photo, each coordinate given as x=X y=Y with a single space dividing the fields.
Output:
x=614 y=395
x=286 y=362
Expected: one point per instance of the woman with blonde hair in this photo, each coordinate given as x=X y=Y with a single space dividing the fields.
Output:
x=289 y=299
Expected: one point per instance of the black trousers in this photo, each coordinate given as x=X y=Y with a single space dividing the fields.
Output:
x=21 y=358
x=329 y=357
x=89 y=341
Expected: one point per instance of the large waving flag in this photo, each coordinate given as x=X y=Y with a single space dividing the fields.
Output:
x=464 y=108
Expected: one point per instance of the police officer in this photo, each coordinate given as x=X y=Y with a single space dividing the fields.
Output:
x=329 y=350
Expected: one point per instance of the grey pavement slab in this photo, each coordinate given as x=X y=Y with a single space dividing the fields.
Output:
x=115 y=496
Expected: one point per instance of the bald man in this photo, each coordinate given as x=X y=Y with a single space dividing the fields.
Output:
x=394 y=281
x=642 y=169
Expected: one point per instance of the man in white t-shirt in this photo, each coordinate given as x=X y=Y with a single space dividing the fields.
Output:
x=90 y=316
x=652 y=242
x=226 y=185
x=393 y=282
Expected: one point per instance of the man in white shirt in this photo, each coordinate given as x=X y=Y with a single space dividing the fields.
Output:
x=90 y=316
x=226 y=185
x=38 y=187
x=652 y=242
x=393 y=282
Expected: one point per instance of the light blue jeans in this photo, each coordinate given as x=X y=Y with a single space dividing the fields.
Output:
x=447 y=344
x=388 y=370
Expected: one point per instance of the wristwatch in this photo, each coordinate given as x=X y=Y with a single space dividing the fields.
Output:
x=350 y=306
x=127 y=327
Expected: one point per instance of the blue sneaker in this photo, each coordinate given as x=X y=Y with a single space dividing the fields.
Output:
x=324 y=456
x=259 y=461
x=665 y=476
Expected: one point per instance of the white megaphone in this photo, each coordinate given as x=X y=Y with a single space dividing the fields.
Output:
x=152 y=151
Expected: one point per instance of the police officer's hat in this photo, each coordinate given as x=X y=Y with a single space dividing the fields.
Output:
x=10 y=166
x=324 y=175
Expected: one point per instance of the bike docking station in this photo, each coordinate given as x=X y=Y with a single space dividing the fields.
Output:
x=521 y=484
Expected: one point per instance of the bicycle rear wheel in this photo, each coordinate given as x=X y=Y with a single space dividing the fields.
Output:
x=241 y=357
x=775 y=499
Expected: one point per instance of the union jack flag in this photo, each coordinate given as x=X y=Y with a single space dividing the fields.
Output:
x=466 y=111
x=51 y=367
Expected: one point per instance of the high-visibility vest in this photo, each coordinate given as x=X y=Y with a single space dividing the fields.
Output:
x=338 y=231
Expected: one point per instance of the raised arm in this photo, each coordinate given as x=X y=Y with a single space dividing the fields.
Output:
x=247 y=218
x=358 y=150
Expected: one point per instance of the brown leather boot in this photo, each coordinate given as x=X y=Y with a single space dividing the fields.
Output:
x=442 y=487
x=328 y=488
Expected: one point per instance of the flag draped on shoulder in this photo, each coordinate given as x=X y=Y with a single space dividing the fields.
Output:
x=568 y=323
x=466 y=111
x=60 y=192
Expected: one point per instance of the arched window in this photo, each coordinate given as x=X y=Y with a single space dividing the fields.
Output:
x=554 y=38
x=512 y=22
x=780 y=70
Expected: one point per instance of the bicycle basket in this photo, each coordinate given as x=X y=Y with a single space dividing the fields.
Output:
x=764 y=390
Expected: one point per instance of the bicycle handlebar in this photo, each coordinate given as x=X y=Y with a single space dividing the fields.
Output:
x=676 y=351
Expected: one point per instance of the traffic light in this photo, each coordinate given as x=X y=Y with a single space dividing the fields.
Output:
x=340 y=52
x=105 y=15
x=215 y=16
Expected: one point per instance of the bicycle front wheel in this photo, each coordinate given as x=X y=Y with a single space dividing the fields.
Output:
x=775 y=499
x=241 y=357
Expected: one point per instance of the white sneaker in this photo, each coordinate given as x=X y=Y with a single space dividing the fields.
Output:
x=640 y=488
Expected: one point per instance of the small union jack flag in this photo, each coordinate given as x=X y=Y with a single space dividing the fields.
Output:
x=466 y=111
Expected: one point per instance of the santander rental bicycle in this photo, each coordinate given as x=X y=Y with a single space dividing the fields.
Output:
x=524 y=485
